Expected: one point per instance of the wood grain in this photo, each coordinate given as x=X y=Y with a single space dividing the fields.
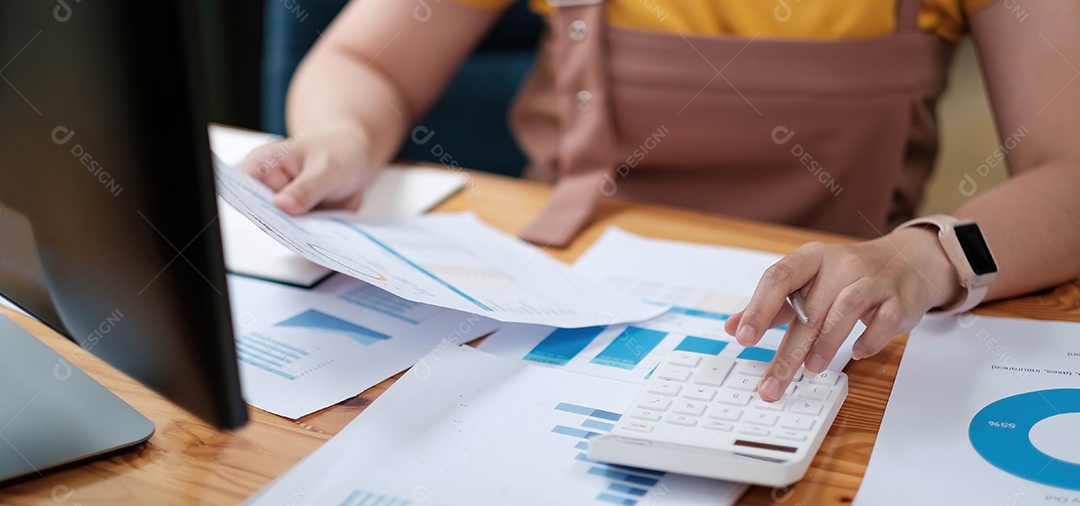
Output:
x=188 y=463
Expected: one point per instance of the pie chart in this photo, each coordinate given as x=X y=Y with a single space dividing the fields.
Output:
x=1033 y=435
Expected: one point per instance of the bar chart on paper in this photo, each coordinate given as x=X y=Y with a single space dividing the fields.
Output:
x=627 y=352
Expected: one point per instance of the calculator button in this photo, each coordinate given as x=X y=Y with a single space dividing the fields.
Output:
x=725 y=413
x=798 y=376
x=718 y=425
x=751 y=368
x=812 y=408
x=666 y=388
x=673 y=373
x=761 y=418
x=684 y=359
x=769 y=406
x=688 y=421
x=815 y=392
x=803 y=423
x=828 y=378
x=645 y=414
x=689 y=408
x=713 y=371
x=790 y=435
x=754 y=431
x=699 y=393
x=639 y=426
x=744 y=383
x=733 y=397
x=655 y=403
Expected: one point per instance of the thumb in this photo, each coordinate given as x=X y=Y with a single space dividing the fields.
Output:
x=304 y=192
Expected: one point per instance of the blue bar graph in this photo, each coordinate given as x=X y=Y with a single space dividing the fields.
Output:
x=701 y=345
x=760 y=354
x=699 y=313
x=627 y=350
x=363 y=498
x=317 y=320
x=268 y=354
x=627 y=489
x=614 y=499
x=376 y=299
x=593 y=424
x=559 y=347
x=616 y=474
x=570 y=431
x=582 y=410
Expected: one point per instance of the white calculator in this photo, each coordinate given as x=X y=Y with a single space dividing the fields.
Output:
x=700 y=415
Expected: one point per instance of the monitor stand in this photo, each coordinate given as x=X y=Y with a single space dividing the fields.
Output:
x=52 y=415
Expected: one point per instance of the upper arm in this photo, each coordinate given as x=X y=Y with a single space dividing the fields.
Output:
x=1030 y=57
x=418 y=44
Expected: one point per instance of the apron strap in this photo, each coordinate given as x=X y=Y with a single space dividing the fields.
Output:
x=586 y=137
x=907 y=16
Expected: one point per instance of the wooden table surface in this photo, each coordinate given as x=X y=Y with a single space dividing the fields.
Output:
x=187 y=462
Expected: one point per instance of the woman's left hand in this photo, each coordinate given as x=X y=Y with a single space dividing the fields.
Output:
x=889 y=283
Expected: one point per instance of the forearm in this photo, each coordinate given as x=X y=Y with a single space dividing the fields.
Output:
x=339 y=93
x=1032 y=224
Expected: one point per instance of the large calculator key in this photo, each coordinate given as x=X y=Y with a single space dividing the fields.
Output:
x=751 y=367
x=744 y=383
x=644 y=414
x=769 y=406
x=802 y=407
x=674 y=373
x=734 y=397
x=761 y=418
x=693 y=408
x=718 y=425
x=828 y=378
x=725 y=413
x=688 y=421
x=655 y=403
x=713 y=371
x=684 y=359
x=639 y=426
x=815 y=392
x=803 y=423
x=790 y=435
x=699 y=393
x=665 y=388
x=754 y=431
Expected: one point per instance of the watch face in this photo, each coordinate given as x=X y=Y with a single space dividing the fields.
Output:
x=975 y=249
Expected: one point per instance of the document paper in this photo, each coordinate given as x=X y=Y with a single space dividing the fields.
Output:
x=467 y=428
x=983 y=411
x=449 y=260
x=703 y=285
x=302 y=350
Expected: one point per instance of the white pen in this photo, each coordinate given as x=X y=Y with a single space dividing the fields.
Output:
x=798 y=304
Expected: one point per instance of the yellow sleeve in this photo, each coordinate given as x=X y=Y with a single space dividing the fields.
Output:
x=948 y=19
x=486 y=4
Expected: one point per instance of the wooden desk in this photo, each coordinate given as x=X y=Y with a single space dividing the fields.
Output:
x=188 y=463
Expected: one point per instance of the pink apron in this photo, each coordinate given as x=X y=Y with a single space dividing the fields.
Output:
x=833 y=135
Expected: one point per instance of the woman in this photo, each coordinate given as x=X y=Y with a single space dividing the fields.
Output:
x=816 y=114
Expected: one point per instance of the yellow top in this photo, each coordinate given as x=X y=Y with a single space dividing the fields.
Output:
x=791 y=19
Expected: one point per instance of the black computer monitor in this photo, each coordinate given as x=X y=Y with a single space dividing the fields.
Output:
x=108 y=219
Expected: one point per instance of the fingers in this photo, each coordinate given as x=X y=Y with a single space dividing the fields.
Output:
x=789 y=274
x=783 y=317
x=271 y=164
x=307 y=189
x=887 y=321
x=799 y=338
x=854 y=301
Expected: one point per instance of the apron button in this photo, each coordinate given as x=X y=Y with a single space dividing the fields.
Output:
x=577 y=30
x=584 y=100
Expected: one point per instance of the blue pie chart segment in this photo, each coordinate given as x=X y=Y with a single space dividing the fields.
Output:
x=1000 y=434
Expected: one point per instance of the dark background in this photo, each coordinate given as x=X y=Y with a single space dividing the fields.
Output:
x=232 y=42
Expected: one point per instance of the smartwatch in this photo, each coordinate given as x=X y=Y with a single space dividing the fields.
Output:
x=970 y=255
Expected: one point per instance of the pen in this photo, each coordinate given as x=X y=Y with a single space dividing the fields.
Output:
x=798 y=304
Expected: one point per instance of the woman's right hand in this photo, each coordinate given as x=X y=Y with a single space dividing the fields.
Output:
x=325 y=170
